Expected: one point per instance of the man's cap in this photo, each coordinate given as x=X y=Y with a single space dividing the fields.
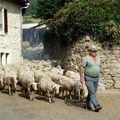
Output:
x=92 y=48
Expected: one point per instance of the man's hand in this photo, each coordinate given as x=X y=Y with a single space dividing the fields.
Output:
x=102 y=71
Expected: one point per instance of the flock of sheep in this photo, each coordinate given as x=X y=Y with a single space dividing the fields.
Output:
x=46 y=83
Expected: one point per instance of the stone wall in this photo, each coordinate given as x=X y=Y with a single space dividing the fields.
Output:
x=10 y=43
x=110 y=58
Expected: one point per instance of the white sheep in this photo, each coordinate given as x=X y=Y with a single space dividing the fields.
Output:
x=9 y=78
x=54 y=76
x=57 y=70
x=76 y=77
x=73 y=75
x=47 y=86
x=27 y=82
x=71 y=88
x=38 y=74
x=68 y=84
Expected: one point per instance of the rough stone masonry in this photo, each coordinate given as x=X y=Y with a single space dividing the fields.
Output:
x=10 y=42
x=110 y=59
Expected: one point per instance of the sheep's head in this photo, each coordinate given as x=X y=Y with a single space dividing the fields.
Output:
x=34 y=86
x=61 y=89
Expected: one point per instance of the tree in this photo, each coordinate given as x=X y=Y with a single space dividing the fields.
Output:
x=99 y=18
x=45 y=9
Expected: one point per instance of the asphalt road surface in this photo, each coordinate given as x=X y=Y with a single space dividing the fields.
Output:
x=19 y=108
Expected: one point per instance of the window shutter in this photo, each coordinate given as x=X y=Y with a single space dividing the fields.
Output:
x=5 y=21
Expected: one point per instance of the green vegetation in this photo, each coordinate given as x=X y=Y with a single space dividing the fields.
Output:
x=70 y=19
x=99 y=18
x=45 y=9
x=30 y=19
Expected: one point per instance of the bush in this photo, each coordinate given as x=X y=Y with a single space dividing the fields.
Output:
x=99 y=18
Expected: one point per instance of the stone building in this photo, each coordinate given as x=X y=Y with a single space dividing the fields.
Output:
x=10 y=30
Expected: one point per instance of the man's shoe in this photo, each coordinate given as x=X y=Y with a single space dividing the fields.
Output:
x=98 y=108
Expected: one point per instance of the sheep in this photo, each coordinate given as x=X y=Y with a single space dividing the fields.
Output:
x=73 y=75
x=27 y=82
x=38 y=74
x=76 y=77
x=71 y=88
x=57 y=70
x=9 y=78
x=68 y=84
x=47 y=86
x=54 y=76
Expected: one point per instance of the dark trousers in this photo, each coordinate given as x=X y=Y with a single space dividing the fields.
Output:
x=92 y=84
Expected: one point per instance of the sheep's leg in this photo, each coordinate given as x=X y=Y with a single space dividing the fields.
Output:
x=85 y=104
x=12 y=90
x=14 y=87
x=23 y=91
x=70 y=95
x=3 y=88
x=49 y=96
x=1 y=80
x=31 y=98
x=39 y=91
x=53 y=94
x=79 y=96
x=52 y=98
x=29 y=94
x=65 y=95
x=9 y=90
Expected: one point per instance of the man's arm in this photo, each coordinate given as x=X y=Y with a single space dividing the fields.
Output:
x=81 y=74
x=102 y=71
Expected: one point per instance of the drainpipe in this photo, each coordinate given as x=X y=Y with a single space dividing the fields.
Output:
x=21 y=22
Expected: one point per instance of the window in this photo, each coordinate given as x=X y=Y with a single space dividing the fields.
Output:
x=3 y=20
x=4 y=58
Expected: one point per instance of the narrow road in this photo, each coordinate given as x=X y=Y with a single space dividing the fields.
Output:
x=19 y=108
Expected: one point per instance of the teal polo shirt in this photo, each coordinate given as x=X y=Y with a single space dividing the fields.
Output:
x=91 y=68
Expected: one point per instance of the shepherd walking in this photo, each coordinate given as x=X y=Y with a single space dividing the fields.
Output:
x=89 y=72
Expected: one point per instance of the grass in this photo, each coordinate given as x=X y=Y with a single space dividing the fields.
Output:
x=29 y=19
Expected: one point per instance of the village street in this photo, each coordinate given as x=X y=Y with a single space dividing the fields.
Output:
x=47 y=46
x=18 y=108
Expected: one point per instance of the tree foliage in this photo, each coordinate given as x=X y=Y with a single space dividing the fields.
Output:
x=45 y=9
x=70 y=19
x=99 y=18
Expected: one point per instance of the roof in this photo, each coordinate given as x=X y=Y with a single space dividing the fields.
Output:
x=33 y=25
x=20 y=2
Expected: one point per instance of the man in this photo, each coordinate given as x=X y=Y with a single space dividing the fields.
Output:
x=89 y=72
